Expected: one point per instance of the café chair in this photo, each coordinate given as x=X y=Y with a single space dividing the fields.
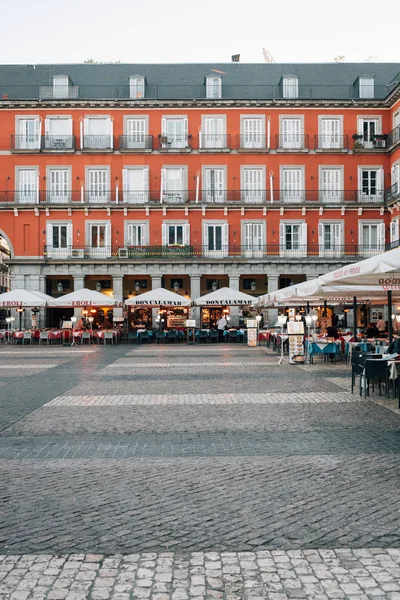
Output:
x=214 y=336
x=374 y=370
x=86 y=336
x=202 y=338
x=233 y=336
x=171 y=337
x=109 y=338
x=143 y=337
x=27 y=337
x=44 y=335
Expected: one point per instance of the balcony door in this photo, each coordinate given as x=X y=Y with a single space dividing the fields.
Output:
x=293 y=239
x=136 y=133
x=98 y=133
x=173 y=190
x=215 y=240
x=254 y=240
x=135 y=184
x=97 y=187
x=59 y=240
x=371 y=238
x=292 y=184
x=252 y=134
x=368 y=128
x=253 y=191
x=175 y=131
x=136 y=234
x=213 y=133
x=57 y=186
x=330 y=185
x=27 y=191
x=370 y=185
x=214 y=185
x=28 y=134
x=58 y=134
x=291 y=133
x=99 y=237
x=330 y=239
x=330 y=133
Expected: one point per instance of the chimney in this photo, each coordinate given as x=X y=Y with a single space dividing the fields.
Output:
x=235 y=57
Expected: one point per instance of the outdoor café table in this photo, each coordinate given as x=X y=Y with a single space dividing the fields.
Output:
x=323 y=347
x=100 y=334
x=264 y=336
x=18 y=335
x=55 y=335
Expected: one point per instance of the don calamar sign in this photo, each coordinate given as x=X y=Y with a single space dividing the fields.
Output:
x=160 y=302
x=228 y=302
x=390 y=283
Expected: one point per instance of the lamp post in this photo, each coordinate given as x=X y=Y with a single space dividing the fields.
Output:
x=214 y=286
x=73 y=321
x=314 y=320
x=281 y=322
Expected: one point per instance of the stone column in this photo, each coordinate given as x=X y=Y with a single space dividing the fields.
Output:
x=156 y=282
x=273 y=286
x=234 y=310
x=118 y=292
x=195 y=293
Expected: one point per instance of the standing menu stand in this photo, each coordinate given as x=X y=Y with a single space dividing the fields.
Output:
x=295 y=330
x=252 y=331
x=190 y=331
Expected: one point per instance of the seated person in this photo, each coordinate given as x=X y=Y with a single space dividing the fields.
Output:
x=394 y=347
x=332 y=332
x=372 y=331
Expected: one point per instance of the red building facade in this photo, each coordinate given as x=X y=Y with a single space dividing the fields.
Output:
x=132 y=177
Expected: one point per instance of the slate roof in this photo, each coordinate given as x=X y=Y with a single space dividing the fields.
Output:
x=187 y=81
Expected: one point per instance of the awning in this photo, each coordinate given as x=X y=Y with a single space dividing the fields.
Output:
x=225 y=297
x=158 y=297
x=83 y=298
x=23 y=298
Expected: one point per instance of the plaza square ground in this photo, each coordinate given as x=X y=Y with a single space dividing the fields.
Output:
x=193 y=472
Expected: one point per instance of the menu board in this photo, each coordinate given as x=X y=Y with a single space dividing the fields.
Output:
x=252 y=337
x=295 y=327
x=296 y=348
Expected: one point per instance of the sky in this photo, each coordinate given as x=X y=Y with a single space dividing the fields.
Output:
x=173 y=31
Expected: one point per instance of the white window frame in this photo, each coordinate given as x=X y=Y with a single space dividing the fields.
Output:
x=98 y=251
x=287 y=145
x=58 y=197
x=175 y=223
x=136 y=143
x=365 y=250
x=256 y=142
x=171 y=196
x=290 y=196
x=51 y=142
x=94 y=198
x=138 y=223
x=27 y=196
x=253 y=196
x=28 y=144
x=379 y=196
x=336 y=249
x=254 y=250
x=299 y=252
x=330 y=144
x=102 y=144
x=218 y=140
x=360 y=128
x=216 y=195
x=395 y=231
x=327 y=196
x=224 y=252
x=366 y=87
x=63 y=88
x=213 y=87
x=179 y=141
x=136 y=196
x=137 y=87
x=290 y=86
x=61 y=252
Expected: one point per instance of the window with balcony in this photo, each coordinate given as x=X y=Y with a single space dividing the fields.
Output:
x=136 y=233
x=293 y=239
x=331 y=184
x=330 y=135
x=213 y=87
x=174 y=185
x=214 y=184
x=60 y=86
x=253 y=238
x=136 y=134
x=366 y=87
x=253 y=184
x=58 y=134
x=290 y=87
x=371 y=238
x=27 y=137
x=370 y=186
x=137 y=87
x=97 y=185
x=330 y=239
x=176 y=234
x=98 y=133
x=394 y=190
x=292 y=184
x=58 y=186
x=174 y=133
x=59 y=239
x=252 y=132
x=291 y=136
x=27 y=185
x=215 y=239
x=395 y=232
x=98 y=239
x=135 y=184
x=368 y=128
x=213 y=133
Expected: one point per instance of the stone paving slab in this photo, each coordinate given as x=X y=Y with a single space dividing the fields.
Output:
x=276 y=575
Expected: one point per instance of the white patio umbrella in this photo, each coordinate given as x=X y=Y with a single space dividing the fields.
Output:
x=225 y=297
x=158 y=297
x=83 y=298
x=22 y=298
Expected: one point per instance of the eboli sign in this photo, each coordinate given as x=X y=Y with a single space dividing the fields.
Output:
x=10 y=303
x=80 y=303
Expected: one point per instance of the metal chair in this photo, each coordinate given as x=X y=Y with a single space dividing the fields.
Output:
x=27 y=337
x=202 y=338
x=233 y=336
x=171 y=337
x=160 y=337
x=44 y=335
x=109 y=337
x=214 y=336
x=132 y=338
x=374 y=370
x=143 y=337
x=86 y=336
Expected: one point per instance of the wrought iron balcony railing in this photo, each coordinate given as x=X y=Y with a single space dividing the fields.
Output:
x=217 y=141
x=25 y=143
x=393 y=138
x=135 y=143
x=58 y=143
x=189 y=92
x=392 y=193
x=217 y=252
x=255 y=142
x=292 y=142
x=334 y=143
x=99 y=195
x=376 y=142
x=174 y=142
x=97 y=143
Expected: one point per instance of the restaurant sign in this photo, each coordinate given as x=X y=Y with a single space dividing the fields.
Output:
x=81 y=303
x=390 y=283
x=228 y=302
x=10 y=303
x=160 y=302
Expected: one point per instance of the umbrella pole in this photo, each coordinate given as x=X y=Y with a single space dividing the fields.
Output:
x=355 y=317
x=390 y=322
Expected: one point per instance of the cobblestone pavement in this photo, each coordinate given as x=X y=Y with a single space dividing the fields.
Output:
x=175 y=472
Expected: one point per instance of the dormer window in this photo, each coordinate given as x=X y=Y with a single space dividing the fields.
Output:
x=137 y=85
x=290 y=87
x=366 y=87
x=213 y=86
x=61 y=86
